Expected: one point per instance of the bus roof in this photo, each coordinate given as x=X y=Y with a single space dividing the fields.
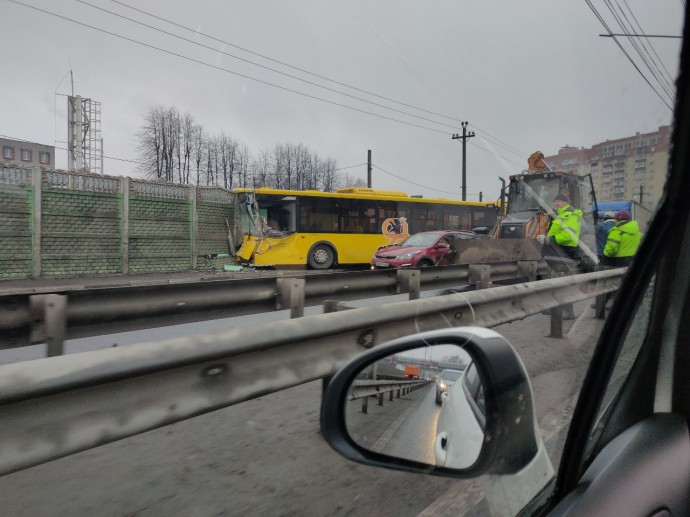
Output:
x=361 y=193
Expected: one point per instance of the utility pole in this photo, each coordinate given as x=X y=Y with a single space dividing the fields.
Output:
x=465 y=137
x=480 y=197
x=641 y=194
x=369 y=168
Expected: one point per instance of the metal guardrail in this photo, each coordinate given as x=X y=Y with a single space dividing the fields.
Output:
x=362 y=389
x=28 y=317
x=365 y=389
x=53 y=407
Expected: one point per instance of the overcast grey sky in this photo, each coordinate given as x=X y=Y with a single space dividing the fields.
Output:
x=534 y=74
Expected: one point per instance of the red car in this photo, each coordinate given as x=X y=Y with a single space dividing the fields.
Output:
x=418 y=250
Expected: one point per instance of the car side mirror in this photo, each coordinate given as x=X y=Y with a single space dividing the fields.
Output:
x=442 y=246
x=470 y=412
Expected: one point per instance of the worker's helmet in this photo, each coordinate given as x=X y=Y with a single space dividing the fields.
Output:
x=623 y=215
x=609 y=214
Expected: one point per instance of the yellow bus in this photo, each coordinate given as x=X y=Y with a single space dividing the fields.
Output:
x=323 y=229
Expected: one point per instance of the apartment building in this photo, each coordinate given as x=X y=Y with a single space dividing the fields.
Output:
x=18 y=153
x=633 y=167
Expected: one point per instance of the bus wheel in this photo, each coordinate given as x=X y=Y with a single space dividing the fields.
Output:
x=321 y=257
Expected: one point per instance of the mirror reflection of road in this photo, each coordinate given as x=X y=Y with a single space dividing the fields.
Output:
x=405 y=427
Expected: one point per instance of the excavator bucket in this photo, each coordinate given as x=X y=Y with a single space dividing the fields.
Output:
x=477 y=251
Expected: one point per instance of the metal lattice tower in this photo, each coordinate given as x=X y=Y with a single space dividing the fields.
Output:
x=85 y=145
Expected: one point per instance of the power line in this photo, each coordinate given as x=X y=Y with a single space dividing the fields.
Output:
x=65 y=149
x=497 y=155
x=143 y=163
x=408 y=181
x=199 y=33
x=187 y=58
x=241 y=75
x=266 y=67
x=613 y=35
x=494 y=141
x=350 y=167
x=498 y=142
x=639 y=26
x=641 y=49
x=603 y=22
x=635 y=44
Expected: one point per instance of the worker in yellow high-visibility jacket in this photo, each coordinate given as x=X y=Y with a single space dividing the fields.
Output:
x=563 y=236
x=623 y=240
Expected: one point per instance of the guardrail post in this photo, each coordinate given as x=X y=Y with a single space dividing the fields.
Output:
x=331 y=306
x=380 y=399
x=50 y=321
x=480 y=275
x=365 y=405
x=409 y=282
x=600 y=307
x=390 y=396
x=291 y=296
x=557 y=322
x=397 y=395
x=528 y=269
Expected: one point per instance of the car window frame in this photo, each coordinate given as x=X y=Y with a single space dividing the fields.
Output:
x=670 y=218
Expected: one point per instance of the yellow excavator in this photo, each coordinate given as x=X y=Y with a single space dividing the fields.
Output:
x=526 y=212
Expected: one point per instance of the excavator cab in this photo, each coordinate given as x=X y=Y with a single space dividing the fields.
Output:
x=530 y=197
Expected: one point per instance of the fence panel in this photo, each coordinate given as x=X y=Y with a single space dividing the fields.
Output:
x=160 y=228
x=81 y=225
x=16 y=223
x=215 y=208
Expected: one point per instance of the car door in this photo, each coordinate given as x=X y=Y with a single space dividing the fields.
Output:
x=439 y=249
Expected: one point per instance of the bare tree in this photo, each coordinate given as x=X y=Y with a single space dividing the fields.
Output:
x=227 y=149
x=261 y=168
x=150 y=145
x=349 y=181
x=211 y=158
x=173 y=145
x=278 y=166
x=187 y=133
x=242 y=159
x=328 y=173
x=198 y=141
